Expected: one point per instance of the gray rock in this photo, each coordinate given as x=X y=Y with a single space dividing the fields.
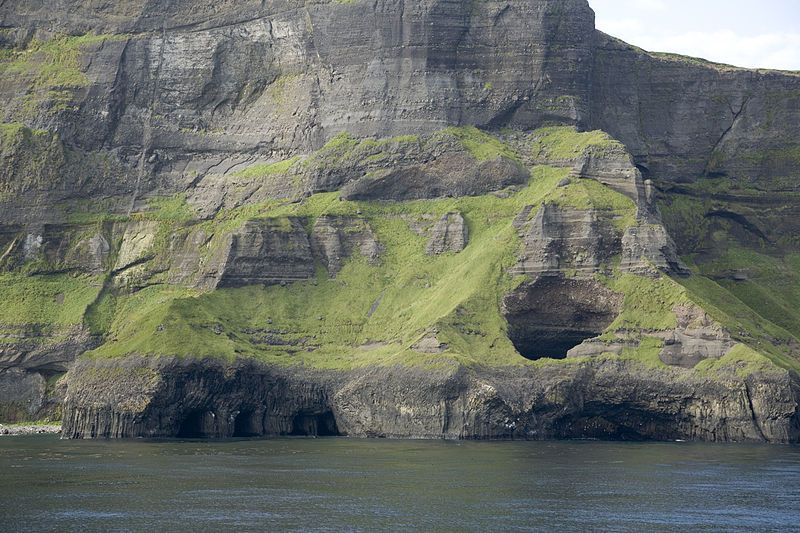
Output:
x=696 y=338
x=559 y=239
x=449 y=234
x=334 y=239
x=267 y=252
x=648 y=249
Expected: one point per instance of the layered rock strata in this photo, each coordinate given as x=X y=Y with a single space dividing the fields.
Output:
x=160 y=150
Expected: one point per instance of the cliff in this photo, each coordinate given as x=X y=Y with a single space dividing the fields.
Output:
x=417 y=218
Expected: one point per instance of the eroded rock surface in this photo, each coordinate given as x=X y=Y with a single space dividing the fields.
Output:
x=562 y=238
x=595 y=399
x=449 y=234
x=549 y=316
x=336 y=239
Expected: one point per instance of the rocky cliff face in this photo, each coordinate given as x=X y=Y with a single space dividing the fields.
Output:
x=597 y=399
x=391 y=207
x=685 y=119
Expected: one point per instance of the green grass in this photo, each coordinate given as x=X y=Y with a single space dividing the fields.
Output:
x=344 y=150
x=565 y=143
x=59 y=299
x=744 y=323
x=590 y=194
x=647 y=304
x=646 y=353
x=13 y=133
x=168 y=209
x=742 y=360
x=29 y=159
x=772 y=288
x=372 y=314
x=481 y=145
x=788 y=155
x=455 y=295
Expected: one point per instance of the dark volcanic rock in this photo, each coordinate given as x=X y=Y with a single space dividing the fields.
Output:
x=186 y=89
x=25 y=395
x=144 y=100
x=449 y=175
x=375 y=69
x=595 y=399
x=549 y=316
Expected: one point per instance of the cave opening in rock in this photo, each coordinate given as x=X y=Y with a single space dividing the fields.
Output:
x=550 y=316
x=246 y=424
x=192 y=426
x=314 y=425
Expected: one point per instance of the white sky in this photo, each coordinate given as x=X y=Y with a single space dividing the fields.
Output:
x=745 y=33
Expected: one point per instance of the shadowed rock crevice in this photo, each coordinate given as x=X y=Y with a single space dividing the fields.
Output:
x=314 y=425
x=192 y=426
x=550 y=316
x=247 y=424
x=598 y=398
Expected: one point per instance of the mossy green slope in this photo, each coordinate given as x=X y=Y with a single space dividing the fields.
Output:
x=374 y=314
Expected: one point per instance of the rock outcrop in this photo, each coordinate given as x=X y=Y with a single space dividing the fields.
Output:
x=560 y=239
x=685 y=119
x=596 y=399
x=648 y=248
x=449 y=234
x=168 y=95
x=335 y=239
x=266 y=252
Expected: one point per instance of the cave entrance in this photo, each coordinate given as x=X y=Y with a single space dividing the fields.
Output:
x=314 y=425
x=550 y=316
x=192 y=426
x=247 y=424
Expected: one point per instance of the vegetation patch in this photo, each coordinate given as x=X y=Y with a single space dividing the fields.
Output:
x=264 y=170
x=376 y=313
x=591 y=194
x=648 y=303
x=50 y=69
x=481 y=145
x=168 y=209
x=57 y=299
x=566 y=143
x=742 y=360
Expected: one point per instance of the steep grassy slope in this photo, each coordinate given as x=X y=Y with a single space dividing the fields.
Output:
x=375 y=314
x=379 y=313
x=741 y=242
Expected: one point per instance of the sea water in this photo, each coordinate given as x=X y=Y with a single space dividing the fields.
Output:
x=340 y=484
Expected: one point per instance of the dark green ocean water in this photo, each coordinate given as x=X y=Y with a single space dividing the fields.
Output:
x=343 y=484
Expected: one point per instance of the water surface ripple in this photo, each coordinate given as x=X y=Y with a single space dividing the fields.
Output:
x=343 y=484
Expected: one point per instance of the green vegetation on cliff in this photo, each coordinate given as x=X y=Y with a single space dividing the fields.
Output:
x=29 y=158
x=56 y=299
x=405 y=307
x=562 y=142
x=50 y=70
